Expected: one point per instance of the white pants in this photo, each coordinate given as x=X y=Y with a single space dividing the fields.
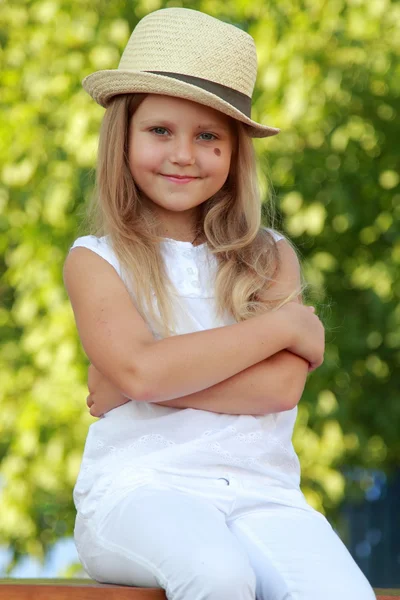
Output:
x=202 y=538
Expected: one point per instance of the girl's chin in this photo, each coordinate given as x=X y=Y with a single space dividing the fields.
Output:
x=176 y=202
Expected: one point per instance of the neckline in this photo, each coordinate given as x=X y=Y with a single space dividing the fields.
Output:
x=183 y=244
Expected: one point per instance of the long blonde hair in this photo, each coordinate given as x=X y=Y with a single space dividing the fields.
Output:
x=230 y=223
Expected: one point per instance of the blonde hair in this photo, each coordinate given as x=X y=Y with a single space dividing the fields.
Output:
x=230 y=223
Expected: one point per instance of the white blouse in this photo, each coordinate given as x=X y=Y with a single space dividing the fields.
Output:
x=141 y=435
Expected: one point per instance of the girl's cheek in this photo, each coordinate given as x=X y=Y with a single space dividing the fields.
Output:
x=146 y=156
x=217 y=152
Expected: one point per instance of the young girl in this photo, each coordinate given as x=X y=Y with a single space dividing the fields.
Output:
x=190 y=314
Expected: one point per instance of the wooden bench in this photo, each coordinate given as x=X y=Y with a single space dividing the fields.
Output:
x=86 y=589
x=72 y=589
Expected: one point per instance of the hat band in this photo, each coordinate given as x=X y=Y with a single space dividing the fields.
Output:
x=233 y=97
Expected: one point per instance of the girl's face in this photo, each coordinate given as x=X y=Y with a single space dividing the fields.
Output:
x=179 y=152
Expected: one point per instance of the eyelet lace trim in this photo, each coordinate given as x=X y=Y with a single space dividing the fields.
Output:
x=275 y=454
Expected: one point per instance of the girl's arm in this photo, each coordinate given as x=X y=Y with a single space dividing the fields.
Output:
x=120 y=345
x=272 y=385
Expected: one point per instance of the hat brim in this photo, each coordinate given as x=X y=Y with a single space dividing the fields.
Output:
x=103 y=85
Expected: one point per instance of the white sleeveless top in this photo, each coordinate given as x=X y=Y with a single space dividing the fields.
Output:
x=140 y=435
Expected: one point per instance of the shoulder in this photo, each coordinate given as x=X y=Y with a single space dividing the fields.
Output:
x=287 y=279
x=91 y=270
x=100 y=246
x=285 y=250
x=276 y=236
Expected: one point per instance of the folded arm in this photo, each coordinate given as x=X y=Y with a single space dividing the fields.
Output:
x=271 y=385
x=118 y=341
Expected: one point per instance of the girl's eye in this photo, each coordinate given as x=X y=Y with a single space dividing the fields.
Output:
x=208 y=137
x=159 y=130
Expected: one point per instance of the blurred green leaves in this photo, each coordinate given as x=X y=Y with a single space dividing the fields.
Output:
x=329 y=77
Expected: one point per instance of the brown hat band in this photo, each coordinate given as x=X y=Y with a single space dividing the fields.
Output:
x=233 y=97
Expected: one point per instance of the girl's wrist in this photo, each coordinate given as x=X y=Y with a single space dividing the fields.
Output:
x=284 y=326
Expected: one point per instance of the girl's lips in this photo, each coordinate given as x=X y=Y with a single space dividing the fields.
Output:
x=177 y=179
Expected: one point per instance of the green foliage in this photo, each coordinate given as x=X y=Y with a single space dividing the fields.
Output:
x=329 y=77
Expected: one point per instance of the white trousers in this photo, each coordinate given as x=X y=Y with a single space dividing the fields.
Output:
x=202 y=538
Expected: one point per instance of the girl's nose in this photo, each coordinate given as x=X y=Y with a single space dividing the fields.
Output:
x=183 y=152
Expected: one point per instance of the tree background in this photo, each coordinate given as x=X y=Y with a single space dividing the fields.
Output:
x=329 y=77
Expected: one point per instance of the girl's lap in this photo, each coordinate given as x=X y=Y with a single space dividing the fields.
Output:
x=178 y=541
x=168 y=539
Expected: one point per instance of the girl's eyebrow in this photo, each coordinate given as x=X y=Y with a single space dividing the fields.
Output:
x=207 y=126
x=158 y=122
x=163 y=123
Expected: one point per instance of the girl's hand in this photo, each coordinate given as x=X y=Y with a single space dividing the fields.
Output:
x=309 y=334
x=103 y=395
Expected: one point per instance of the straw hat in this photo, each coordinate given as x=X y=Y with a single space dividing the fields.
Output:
x=186 y=53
